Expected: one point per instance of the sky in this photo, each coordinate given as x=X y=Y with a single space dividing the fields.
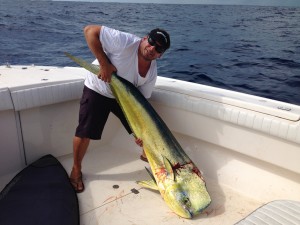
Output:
x=219 y=2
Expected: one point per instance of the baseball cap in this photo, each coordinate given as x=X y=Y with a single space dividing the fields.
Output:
x=160 y=36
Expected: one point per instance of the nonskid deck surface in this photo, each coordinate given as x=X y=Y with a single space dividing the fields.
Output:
x=111 y=195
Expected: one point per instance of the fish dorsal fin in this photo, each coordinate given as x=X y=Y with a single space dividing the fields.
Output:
x=169 y=168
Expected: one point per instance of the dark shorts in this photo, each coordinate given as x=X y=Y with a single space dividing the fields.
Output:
x=94 y=112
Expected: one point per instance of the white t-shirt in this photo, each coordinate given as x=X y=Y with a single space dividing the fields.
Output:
x=122 y=50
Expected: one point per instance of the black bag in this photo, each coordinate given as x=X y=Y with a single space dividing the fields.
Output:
x=41 y=194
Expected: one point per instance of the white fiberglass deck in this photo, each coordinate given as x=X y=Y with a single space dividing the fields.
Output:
x=247 y=147
x=112 y=165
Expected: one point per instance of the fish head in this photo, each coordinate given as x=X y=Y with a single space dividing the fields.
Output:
x=187 y=197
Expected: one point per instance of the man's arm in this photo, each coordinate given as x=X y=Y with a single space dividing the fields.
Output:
x=92 y=34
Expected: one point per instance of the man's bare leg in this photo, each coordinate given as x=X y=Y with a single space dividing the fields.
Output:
x=139 y=142
x=80 y=146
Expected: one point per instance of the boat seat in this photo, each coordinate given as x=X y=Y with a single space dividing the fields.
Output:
x=279 y=212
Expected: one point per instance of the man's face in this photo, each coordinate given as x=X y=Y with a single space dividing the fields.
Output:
x=150 y=49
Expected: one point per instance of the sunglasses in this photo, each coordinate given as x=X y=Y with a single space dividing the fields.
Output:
x=158 y=49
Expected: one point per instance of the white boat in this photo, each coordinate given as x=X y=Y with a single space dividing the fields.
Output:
x=247 y=147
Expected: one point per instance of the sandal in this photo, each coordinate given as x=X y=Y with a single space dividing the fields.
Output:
x=77 y=184
x=143 y=158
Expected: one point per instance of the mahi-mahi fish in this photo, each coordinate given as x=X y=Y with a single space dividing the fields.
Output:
x=174 y=175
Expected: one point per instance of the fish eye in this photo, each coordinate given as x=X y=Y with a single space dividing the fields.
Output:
x=186 y=201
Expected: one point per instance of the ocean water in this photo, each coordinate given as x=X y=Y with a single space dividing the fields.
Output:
x=251 y=49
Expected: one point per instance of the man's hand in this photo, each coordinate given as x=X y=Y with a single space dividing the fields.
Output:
x=106 y=72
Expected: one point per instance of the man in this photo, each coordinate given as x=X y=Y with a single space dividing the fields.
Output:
x=132 y=58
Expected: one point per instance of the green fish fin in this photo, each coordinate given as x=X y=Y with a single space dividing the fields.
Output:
x=151 y=175
x=169 y=169
x=90 y=67
x=151 y=184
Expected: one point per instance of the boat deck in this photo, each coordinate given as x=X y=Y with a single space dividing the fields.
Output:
x=111 y=195
x=245 y=145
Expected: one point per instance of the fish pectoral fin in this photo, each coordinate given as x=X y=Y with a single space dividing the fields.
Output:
x=151 y=175
x=148 y=184
x=169 y=169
